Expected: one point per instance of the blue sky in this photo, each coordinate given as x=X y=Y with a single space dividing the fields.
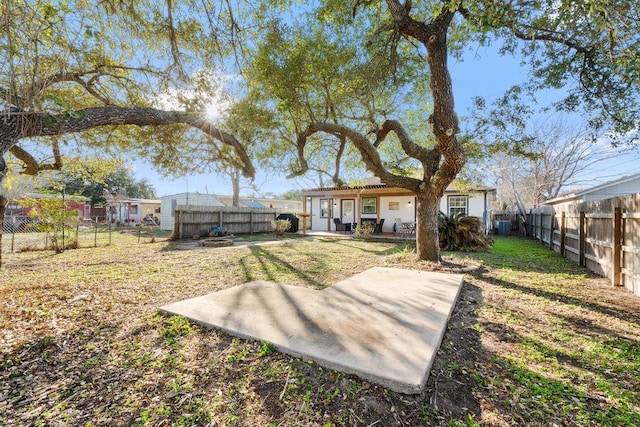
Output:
x=482 y=73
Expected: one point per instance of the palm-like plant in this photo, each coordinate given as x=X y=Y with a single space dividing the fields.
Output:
x=459 y=232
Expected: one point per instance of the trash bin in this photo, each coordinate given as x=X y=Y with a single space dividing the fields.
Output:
x=504 y=228
x=294 y=222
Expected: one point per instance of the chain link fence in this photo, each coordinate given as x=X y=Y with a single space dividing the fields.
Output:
x=24 y=233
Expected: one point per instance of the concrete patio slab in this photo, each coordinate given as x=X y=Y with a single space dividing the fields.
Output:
x=384 y=325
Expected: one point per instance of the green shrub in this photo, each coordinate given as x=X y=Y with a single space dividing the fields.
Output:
x=279 y=226
x=364 y=230
x=55 y=218
x=462 y=233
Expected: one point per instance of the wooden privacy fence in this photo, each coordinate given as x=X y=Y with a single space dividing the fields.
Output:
x=603 y=236
x=192 y=221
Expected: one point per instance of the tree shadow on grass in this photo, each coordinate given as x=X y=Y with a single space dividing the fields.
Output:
x=550 y=385
x=527 y=255
x=560 y=356
x=586 y=301
x=272 y=267
x=397 y=246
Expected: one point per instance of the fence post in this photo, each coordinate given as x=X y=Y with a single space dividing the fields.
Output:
x=251 y=222
x=552 y=221
x=581 y=234
x=563 y=225
x=95 y=234
x=178 y=222
x=13 y=234
x=616 y=247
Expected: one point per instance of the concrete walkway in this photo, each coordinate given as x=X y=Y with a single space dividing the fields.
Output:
x=384 y=325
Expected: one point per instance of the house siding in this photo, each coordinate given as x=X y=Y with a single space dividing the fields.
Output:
x=406 y=211
x=477 y=205
x=168 y=205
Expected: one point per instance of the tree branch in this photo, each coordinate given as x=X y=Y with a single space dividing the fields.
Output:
x=26 y=125
x=31 y=165
x=99 y=70
x=369 y=153
x=10 y=98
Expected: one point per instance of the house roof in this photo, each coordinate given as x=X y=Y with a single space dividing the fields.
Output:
x=143 y=201
x=600 y=188
x=189 y=193
x=452 y=188
x=226 y=199
x=54 y=196
x=251 y=204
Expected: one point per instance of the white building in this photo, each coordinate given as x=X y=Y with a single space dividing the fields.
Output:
x=168 y=204
x=376 y=202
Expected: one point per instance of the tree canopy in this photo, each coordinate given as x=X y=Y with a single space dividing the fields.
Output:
x=121 y=182
x=75 y=66
x=363 y=82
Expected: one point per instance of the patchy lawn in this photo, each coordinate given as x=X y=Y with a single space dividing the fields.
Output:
x=533 y=340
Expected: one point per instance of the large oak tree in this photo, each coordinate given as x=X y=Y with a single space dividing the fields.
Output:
x=588 y=49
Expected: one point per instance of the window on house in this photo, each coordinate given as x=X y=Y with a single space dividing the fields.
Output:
x=369 y=205
x=325 y=208
x=457 y=205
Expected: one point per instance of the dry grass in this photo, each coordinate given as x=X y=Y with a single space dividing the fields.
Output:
x=533 y=340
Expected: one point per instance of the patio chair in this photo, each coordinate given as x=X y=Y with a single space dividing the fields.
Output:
x=378 y=229
x=405 y=227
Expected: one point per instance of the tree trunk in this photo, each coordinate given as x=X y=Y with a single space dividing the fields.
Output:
x=235 y=179
x=3 y=208
x=427 y=238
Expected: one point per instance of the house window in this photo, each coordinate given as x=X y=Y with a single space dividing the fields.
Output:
x=457 y=205
x=369 y=205
x=325 y=208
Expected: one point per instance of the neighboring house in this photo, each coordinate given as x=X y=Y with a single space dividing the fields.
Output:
x=78 y=203
x=376 y=201
x=17 y=213
x=168 y=204
x=620 y=187
x=134 y=211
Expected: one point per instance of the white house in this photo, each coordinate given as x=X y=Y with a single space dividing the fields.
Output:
x=133 y=211
x=375 y=202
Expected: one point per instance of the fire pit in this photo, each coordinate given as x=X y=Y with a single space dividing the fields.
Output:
x=216 y=242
